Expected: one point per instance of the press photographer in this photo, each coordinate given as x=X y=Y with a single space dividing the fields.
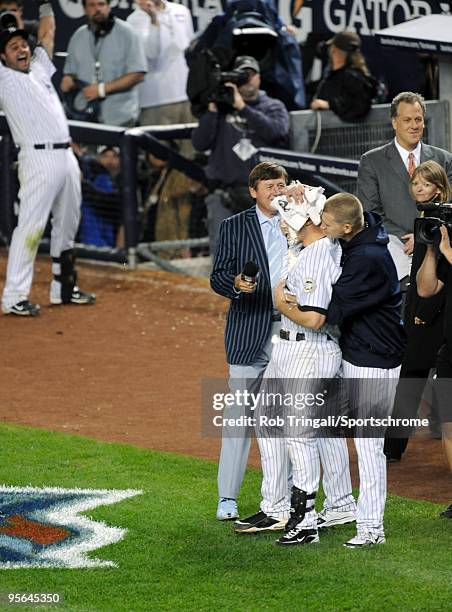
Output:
x=239 y=118
x=434 y=274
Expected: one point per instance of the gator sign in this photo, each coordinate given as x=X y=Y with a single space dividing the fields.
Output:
x=43 y=527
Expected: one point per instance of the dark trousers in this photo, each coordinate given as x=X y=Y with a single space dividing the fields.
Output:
x=406 y=403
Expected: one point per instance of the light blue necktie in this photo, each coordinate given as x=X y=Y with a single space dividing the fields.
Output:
x=274 y=252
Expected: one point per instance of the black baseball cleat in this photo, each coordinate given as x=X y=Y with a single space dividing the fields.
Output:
x=259 y=522
x=298 y=536
x=23 y=309
x=447 y=513
x=77 y=297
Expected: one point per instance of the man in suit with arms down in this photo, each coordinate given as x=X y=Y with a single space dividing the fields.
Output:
x=383 y=187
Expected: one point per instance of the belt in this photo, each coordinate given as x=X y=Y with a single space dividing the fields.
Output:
x=276 y=317
x=49 y=146
x=295 y=336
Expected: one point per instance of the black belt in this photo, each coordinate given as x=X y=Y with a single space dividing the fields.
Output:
x=276 y=317
x=285 y=335
x=50 y=146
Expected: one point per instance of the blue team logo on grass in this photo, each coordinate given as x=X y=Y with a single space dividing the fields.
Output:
x=44 y=528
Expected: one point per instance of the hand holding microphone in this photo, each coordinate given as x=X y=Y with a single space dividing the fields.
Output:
x=246 y=281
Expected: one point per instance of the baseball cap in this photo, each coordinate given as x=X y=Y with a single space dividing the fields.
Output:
x=247 y=61
x=8 y=33
x=345 y=41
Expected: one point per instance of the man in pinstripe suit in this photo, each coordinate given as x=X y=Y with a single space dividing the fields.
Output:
x=252 y=318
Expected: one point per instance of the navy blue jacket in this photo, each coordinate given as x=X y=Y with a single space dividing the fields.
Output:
x=366 y=300
x=249 y=318
x=265 y=121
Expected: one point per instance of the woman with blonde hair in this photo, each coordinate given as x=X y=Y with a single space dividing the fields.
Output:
x=429 y=183
x=423 y=317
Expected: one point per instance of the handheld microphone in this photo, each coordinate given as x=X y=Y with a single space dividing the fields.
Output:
x=250 y=272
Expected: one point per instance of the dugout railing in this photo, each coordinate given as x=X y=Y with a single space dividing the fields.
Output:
x=149 y=139
x=326 y=168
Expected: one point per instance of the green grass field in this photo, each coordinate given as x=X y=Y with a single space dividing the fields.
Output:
x=177 y=556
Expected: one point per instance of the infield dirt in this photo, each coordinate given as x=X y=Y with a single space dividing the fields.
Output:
x=129 y=369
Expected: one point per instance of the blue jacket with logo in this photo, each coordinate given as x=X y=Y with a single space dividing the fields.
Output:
x=366 y=300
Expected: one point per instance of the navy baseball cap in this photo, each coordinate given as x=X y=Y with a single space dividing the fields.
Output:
x=6 y=35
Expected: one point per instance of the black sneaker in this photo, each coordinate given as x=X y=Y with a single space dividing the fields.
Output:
x=23 y=309
x=259 y=522
x=447 y=513
x=298 y=536
x=77 y=297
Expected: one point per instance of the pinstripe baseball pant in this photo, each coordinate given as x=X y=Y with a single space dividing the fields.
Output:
x=292 y=363
x=49 y=182
x=371 y=392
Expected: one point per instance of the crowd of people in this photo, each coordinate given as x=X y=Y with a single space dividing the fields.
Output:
x=134 y=72
x=339 y=311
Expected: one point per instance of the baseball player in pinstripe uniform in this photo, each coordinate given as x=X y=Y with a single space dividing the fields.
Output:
x=48 y=171
x=366 y=303
x=306 y=350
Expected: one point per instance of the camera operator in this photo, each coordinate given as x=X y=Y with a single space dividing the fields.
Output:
x=233 y=132
x=434 y=274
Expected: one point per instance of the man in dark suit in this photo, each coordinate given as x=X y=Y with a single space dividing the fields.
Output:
x=251 y=236
x=383 y=187
x=384 y=173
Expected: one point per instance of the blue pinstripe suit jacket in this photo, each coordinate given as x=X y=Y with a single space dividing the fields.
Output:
x=249 y=318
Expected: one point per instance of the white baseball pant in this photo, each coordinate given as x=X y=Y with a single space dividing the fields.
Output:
x=49 y=182
x=314 y=358
x=370 y=398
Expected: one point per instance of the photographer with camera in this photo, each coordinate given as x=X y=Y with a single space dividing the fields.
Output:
x=434 y=276
x=423 y=317
x=239 y=118
x=105 y=63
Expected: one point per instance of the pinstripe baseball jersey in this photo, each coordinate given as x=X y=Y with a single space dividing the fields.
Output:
x=26 y=96
x=316 y=270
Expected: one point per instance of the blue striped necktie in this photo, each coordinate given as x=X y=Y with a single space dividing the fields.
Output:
x=274 y=252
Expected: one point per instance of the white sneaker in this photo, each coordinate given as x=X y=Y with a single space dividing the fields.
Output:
x=227 y=509
x=329 y=518
x=365 y=539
